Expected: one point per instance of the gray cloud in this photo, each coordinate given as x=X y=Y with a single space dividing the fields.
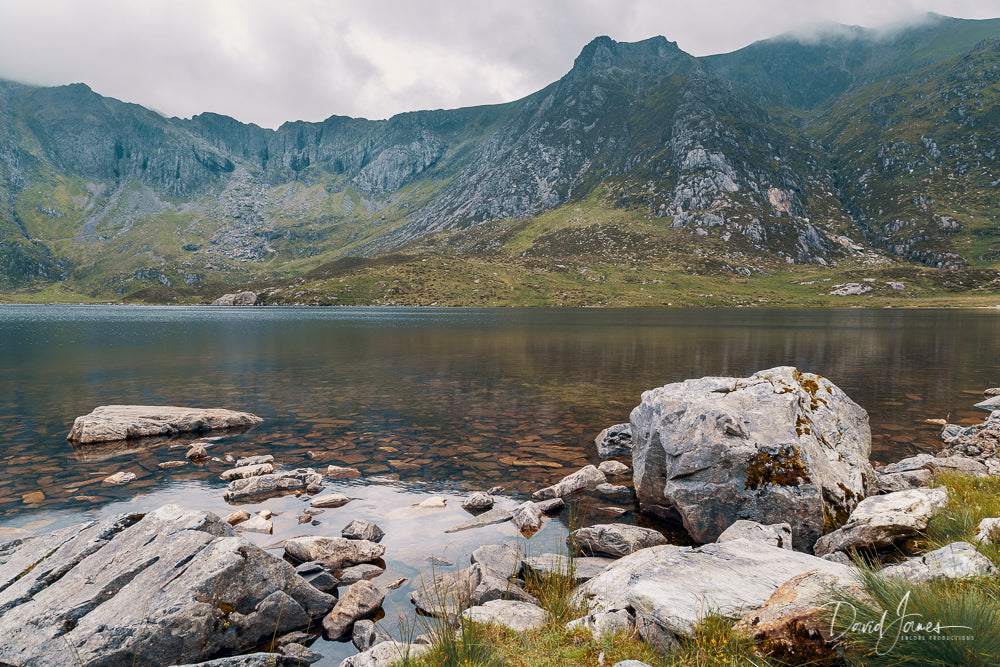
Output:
x=268 y=62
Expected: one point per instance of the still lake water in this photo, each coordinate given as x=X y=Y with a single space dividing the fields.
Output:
x=429 y=401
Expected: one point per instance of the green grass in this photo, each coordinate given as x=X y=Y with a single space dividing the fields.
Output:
x=714 y=644
x=881 y=628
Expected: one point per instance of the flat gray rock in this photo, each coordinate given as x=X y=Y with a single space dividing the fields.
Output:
x=386 y=654
x=108 y=423
x=584 y=478
x=614 y=468
x=777 y=534
x=504 y=560
x=242 y=472
x=254 y=460
x=511 y=614
x=274 y=484
x=882 y=521
x=174 y=586
x=673 y=587
x=584 y=568
x=990 y=404
x=488 y=518
x=333 y=552
x=953 y=561
x=613 y=539
x=354 y=573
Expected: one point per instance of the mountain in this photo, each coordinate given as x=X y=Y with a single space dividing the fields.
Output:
x=849 y=147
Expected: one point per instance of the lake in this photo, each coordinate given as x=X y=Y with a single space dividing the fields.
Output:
x=428 y=401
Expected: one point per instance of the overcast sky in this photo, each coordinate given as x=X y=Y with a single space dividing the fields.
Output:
x=268 y=62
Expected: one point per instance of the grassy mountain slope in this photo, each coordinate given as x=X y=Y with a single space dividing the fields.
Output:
x=788 y=160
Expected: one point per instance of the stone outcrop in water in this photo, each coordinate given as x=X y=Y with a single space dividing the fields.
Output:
x=779 y=446
x=170 y=587
x=108 y=423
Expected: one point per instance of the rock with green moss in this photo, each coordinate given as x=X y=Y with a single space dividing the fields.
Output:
x=779 y=446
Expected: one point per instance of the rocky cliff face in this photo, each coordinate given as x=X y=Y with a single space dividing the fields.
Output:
x=803 y=152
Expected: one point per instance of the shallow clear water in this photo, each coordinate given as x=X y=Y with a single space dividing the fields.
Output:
x=428 y=401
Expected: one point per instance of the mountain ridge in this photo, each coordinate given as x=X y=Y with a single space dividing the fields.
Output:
x=109 y=197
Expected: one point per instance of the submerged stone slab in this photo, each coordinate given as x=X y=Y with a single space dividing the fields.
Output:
x=173 y=586
x=108 y=423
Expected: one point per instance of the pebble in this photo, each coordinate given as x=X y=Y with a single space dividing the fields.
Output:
x=196 y=452
x=119 y=478
x=330 y=500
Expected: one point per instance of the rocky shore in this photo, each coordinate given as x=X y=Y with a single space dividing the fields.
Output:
x=769 y=475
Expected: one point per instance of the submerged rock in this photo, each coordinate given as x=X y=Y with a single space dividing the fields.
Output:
x=272 y=484
x=488 y=518
x=108 y=593
x=779 y=446
x=108 y=423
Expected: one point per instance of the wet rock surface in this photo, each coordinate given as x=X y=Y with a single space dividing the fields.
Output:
x=110 y=592
x=272 y=484
x=108 y=423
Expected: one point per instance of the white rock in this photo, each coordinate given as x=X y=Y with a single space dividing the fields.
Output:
x=776 y=534
x=512 y=614
x=881 y=521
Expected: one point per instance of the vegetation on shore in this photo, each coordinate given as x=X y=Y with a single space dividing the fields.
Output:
x=970 y=602
x=967 y=609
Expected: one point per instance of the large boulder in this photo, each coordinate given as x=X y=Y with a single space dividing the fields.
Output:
x=174 y=586
x=236 y=299
x=671 y=588
x=881 y=522
x=779 y=446
x=108 y=423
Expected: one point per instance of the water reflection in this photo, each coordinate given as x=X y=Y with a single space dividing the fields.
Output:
x=427 y=400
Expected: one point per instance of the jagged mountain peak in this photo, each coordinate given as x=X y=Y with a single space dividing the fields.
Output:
x=716 y=149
